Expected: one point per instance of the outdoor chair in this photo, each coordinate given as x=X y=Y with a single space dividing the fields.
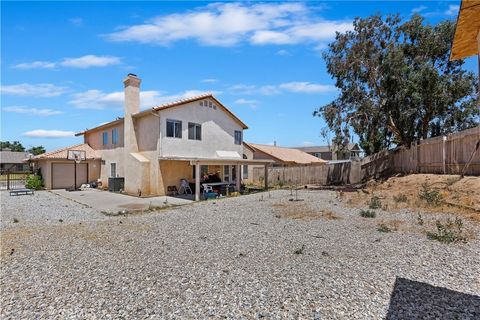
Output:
x=185 y=187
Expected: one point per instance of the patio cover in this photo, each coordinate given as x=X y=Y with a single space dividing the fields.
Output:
x=197 y=162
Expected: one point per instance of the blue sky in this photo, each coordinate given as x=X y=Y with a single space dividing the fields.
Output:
x=62 y=64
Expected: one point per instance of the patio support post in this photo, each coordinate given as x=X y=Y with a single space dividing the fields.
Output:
x=239 y=177
x=197 y=182
x=266 y=176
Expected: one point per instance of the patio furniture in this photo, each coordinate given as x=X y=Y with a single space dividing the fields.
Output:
x=172 y=191
x=184 y=187
x=20 y=192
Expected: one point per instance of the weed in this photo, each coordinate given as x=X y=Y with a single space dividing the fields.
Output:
x=375 y=203
x=452 y=180
x=400 y=198
x=420 y=220
x=300 y=250
x=15 y=220
x=383 y=228
x=432 y=197
x=367 y=213
x=448 y=232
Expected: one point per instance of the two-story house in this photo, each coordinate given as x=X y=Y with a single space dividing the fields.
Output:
x=157 y=147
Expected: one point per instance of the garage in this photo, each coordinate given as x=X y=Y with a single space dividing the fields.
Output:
x=63 y=176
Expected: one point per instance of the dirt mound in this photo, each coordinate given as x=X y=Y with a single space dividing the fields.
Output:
x=431 y=192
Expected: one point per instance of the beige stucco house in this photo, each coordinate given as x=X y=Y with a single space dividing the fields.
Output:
x=157 y=147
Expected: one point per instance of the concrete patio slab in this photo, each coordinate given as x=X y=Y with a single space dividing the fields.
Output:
x=114 y=202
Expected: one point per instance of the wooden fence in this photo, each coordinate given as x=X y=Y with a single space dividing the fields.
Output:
x=447 y=154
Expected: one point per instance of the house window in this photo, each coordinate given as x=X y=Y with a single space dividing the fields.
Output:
x=245 y=168
x=194 y=131
x=226 y=173
x=238 y=137
x=105 y=138
x=203 y=171
x=174 y=128
x=115 y=135
x=113 y=170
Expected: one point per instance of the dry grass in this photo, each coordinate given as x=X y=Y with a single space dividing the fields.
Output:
x=458 y=196
x=292 y=210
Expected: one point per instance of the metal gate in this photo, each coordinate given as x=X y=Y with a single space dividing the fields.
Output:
x=10 y=180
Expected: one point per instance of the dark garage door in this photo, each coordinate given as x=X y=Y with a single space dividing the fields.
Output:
x=63 y=175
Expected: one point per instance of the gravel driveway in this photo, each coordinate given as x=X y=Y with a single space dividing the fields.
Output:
x=235 y=258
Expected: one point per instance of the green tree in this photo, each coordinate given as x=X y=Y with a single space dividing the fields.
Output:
x=36 y=150
x=397 y=84
x=13 y=146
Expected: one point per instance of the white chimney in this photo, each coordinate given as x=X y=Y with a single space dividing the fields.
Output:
x=132 y=94
x=132 y=106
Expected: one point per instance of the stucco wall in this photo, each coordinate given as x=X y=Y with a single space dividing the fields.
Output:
x=95 y=139
x=46 y=170
x=217 y=132
x=108 y=157
x=171 y=172
x=147 y=130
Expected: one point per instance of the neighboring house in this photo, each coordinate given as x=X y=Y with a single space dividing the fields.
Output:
x=350 y=152
x=280 y=156
x=13 y=160
x=157 y=147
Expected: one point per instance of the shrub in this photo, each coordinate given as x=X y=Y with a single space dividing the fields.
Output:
x=448 y=232
x=383 y=228
x=367 y=213
x=375 y=203
x=432 y=197
x=400 y=198
x=420 y=221
x=34 y=181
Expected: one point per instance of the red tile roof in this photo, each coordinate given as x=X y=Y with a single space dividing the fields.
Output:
x=62 y=153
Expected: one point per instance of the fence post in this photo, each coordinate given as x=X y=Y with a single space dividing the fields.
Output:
x=8 y=180
x=444 y=140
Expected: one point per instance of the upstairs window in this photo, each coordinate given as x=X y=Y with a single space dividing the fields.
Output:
x=194 y=131
x=238 y=137
x=115 y=135
x=174 y=128
x=105 y=138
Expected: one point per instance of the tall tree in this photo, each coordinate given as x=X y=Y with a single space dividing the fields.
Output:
x=13 y=146
x=36 y=150
x=397 y=84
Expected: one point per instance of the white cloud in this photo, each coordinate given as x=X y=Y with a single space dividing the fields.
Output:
x=83 y=62
x=251 y=103
x=90 y=61
x=35 y=65
x=419 y=9
x=307 y=143
x=32 y=111
x=209 y=80
x=452 y=10
x=36 y=90
x=97 y=99
x=228 y=24
x=283 y=52
x=41 y=133
x=269 y=90
x=307 y=87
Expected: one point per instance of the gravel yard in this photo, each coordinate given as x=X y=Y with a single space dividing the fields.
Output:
x=257 y=256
